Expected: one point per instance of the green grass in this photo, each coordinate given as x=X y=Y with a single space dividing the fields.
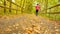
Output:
x=52 y=16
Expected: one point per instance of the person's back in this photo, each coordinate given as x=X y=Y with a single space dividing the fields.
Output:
x=37 y=9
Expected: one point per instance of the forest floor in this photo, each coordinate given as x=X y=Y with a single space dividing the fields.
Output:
x=28 y=24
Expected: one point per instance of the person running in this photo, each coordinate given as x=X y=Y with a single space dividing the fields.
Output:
x=37 y=9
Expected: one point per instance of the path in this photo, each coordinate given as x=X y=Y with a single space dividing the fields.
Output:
x=19 y=23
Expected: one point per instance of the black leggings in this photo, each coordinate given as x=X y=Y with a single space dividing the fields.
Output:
x=36 y=12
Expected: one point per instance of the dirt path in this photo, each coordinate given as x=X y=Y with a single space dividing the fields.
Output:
x=27 y=23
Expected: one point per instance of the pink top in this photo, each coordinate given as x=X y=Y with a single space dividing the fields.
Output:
x=37 y=7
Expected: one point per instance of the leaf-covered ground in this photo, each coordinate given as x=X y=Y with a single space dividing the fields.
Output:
x=27 y=24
